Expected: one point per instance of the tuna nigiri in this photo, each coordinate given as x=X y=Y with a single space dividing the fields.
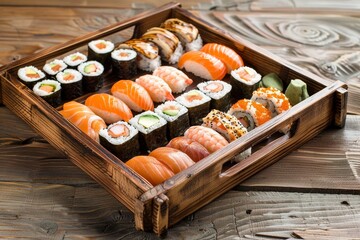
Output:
x=229 y=57
x=158 y=89
x=175 y=78
x=109 y=108
x=207 y=137
x=203 y=65
x=193 y=149
x=150 y=168
x=173 y=158
x=133 y=95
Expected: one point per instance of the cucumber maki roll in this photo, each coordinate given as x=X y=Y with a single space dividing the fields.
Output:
x=49 y=90
x=92 y=72
x=71 y=83
x=177 y=118
x=244 y=80
x=30 y=75
x=124 y=63
x=152 y=129
x=100 y=50
x=54 y=67
x=75 y=59
x=121 y=139
x=197 y=103
x=219 y=92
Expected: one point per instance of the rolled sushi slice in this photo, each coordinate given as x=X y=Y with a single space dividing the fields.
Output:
x=148 y=53
x=219 y=92
x=251 y=114
x=158 y=89
x=71 y=83
x=244 y=80
x=177 y=80
x=193 y=149
x=93 y=78
x=100 y=51
x=169 y=45
x=197 y=103
x=75 y=59
x=177 y=118
x=30 y=75
x=203 y=65
x=49 y=90
x=124 y=63
x=54 y=67
x=152 y=129
x=121 y=139
x=187 y=33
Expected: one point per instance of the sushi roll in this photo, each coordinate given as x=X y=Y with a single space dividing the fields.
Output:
x=187 y=33
x=203 y=65
x=30 y=75
x=100 y=51
x=152 y=129
x=158 y=89
x=49 y=90
x=93 y=78
x=121 y=139
x=54 y=67
x=193 y=149
x=170 y=47
x=177 y=80
x=71 y=84
x=75 y=59
x=197 y=103
x=177 y=118
x=244 y=80
x=219 y=92
x=251 y=114
x=148 y=53
x=124 y=63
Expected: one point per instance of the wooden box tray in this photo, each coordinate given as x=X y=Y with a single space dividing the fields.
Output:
x=157 y=208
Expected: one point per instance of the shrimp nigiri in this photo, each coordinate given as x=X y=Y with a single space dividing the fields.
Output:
x=158 y=89
x=193 y=149
x=175 y=78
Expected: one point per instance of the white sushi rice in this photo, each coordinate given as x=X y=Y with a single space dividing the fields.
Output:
x=109 y=46
x=182 y=99
x=251 y=71
x=134 y=121
x=174 y=58
x=129 y=54
x=119 y=140
x=99 y=68
x=148 y=64
x=48 y=70
x=68 y=59
x=22 y=74
x=77 y=76
x=42 y=93
x=159 y=110
x=215 y=95
x=194 y=45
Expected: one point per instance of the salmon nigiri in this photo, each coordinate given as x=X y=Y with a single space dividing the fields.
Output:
x=109 y=108
x=82 y=117
x=177 y=80
x=203 y=65
x=193 y=149
x=173 y=158
x=229 y=57
x=207 y=137
x=158 y=89
x=133 y=95
x=150 y=168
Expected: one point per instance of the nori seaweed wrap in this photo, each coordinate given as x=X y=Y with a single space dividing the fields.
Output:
x=124 y=63
x=49 y=90
x=71 y=83
x=244 y=81
x=92 y=72
x=100 y=50
x=219 y=92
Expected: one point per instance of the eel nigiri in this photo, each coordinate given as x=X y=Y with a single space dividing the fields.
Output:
x=175 y=78
x=109 y=108
x=150 y=168
x=193 y=149
x=133 y=95
x=158 y=89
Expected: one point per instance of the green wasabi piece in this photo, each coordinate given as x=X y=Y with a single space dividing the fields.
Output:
x=272 y=80
x=296 y=91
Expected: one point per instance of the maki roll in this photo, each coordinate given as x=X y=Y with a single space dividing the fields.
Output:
x=121 y=139
x=197 y=103
x=176 y=79
x=244 y=80
x=93 y=75
x=54 y=67
x=75 y=59
x=100 y=50
x=124 y=63
x=71 y=83
x=152 y=129
x=177 y=117
x=219 y=92
x=30 y=75
x=49 y=90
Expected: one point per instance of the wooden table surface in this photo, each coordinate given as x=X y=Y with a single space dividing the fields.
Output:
x=311 y=193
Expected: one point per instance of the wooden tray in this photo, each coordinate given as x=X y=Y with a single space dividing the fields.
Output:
x=157 y=208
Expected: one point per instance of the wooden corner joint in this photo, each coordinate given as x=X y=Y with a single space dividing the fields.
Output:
x=160 y=215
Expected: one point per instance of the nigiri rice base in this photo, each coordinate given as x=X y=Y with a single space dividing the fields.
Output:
x=147 y=64
x=194 y=45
